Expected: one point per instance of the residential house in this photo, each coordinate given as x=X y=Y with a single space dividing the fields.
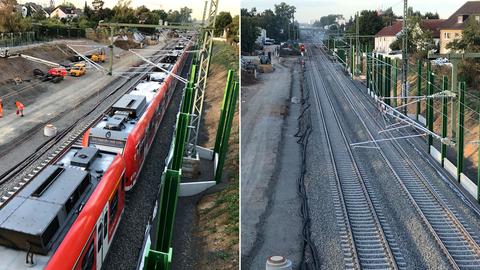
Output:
x=30 y=8
x=64 y=13
x=385 y=37
x=453 y=27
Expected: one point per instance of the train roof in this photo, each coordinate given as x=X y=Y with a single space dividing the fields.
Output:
x=113 y=129
x=40 y=215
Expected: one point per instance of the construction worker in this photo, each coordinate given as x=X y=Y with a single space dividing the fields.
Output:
x=1 y=108
x=20 y=108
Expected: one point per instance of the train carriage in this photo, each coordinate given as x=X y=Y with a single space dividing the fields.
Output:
x=51 y=219
x=132 y=122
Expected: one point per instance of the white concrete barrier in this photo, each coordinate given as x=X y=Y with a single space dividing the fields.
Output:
x=194 y=188
x=435 y=154
x=422 y=120
x=469 y=185
x=452 y=169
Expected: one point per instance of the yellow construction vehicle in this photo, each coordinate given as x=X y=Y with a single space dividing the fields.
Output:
x=78 y=70
x=99 y=57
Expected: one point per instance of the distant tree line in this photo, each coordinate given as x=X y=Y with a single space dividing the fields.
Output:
x=278 y=23
x=11 y=19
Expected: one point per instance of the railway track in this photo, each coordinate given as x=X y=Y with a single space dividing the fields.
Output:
x=20 y=174
x=457 y=242
x=367 y=242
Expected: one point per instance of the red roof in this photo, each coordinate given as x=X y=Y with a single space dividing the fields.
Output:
x=432 y=25
x=468 y=9
x=392 y=30
x=396 y=28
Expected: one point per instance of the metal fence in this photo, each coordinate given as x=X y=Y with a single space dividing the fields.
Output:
x=39 y=34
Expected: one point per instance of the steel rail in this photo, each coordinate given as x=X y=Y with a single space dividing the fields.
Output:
x=422 y=196
x=371 y=247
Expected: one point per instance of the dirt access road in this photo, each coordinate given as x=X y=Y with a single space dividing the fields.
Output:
x=60 y=104
x=271 y=223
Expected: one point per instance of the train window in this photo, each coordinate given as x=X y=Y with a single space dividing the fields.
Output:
x=87 y=263
x=141 y=148
x=105 y=228
x=100 y=237
x=113 y=206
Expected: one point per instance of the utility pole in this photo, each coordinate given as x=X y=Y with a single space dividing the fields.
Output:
x=405 y=56
x=201 y=80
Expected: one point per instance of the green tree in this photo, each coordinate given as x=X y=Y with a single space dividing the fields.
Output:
x=430 y=15
x=469 y=42
x=173 y=16
x=124 y=13
x=223 y=20
x=419 y=41
x=249 y=33
x=162 y=15
x=233 y=28
x=185 y=14
x=10 y=19
x=326 y=20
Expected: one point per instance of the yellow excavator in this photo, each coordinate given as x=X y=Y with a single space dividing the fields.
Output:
x=78 y=70
x=99 y=56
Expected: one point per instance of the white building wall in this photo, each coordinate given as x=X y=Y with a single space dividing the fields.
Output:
x=382 y=44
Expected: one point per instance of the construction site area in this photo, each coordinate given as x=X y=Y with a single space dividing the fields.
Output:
x=122 y=152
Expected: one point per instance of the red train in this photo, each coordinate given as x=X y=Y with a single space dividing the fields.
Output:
x=132 y=122
x=67 y=215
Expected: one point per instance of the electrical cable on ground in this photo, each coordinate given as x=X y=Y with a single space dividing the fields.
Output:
x=303 y=133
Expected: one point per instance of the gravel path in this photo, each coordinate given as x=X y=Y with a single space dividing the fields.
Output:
x=128 y=241
x=271 y=223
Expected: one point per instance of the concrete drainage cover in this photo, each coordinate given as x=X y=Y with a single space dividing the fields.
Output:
x=295 y=100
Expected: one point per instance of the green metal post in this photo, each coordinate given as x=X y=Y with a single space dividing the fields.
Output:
x=110 y=69
x=187 y=100
x=375 y=74
x=193 y=74
x=167 y=206
x=228 y=126
x=443 y=150
x=180 y=138
x=431 y=80
x=352 y=60
x=224 y=111
x=429 y=71
x=460 y=129
x=368 y=59
x=156 y=260
x=380 y=74
x=478 y=159
x=381 y=82
x=388 y=82
x=395 y=82
x=419 y=86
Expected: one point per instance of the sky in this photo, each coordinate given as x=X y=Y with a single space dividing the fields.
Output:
x=197 y=5
x=309 y=10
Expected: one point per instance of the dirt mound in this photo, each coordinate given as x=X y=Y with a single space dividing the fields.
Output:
x=126 y=44
x=14 y=67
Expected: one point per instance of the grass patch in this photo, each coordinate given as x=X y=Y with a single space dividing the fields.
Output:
x=225 y=55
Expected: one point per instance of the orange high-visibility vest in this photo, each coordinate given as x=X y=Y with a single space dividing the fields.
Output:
x=19 y=105
x=1 y=108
